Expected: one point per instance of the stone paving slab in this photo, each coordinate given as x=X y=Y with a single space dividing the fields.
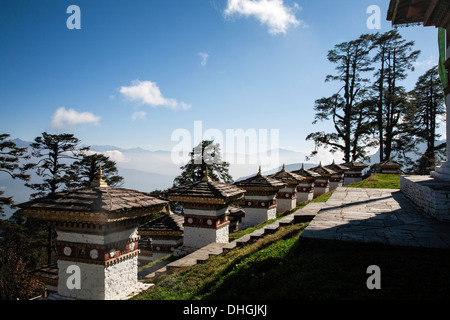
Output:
x=377 y=215
x=197 y=256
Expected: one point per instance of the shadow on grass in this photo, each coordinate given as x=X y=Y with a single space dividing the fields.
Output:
x=334 y=270
x=244 y=266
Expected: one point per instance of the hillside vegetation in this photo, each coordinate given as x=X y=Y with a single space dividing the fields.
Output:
x=379 y=181
x=284 y=266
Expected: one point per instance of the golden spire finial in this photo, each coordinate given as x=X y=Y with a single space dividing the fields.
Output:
x=99 y=183
x=284 y=168
x=303 y=166
x=206 y=177
x=334 y=162
x=259 y=172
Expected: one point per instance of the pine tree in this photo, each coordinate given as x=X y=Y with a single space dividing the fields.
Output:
x=346 y=109
x=53 y=152
x=205 y=156
x=82 y=173
x=394 y=56
x=428 y=101
x=10 y=156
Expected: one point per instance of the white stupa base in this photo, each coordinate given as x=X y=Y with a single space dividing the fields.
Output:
x=442 y=172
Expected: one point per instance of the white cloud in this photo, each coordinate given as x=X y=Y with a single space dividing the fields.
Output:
x=115 y=155
x=138 y=115
x=204 y=57
x=278 y=17
x=63 y=118
x=147 y=92
x=428 y=63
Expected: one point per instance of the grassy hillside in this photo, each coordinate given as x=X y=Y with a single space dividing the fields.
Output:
x=284 y=266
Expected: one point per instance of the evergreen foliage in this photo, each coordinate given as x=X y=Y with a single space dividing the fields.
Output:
x=205 y=157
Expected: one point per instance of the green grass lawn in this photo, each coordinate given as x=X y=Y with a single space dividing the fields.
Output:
x=379 y=181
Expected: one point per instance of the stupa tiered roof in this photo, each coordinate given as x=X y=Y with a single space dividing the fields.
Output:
x=389 y=164
x=288 y=177
x=338 y=168
x=165 y=223
x=355 y=165
x=323 y=171
x=98 y=204
x=308 y=174
x=260 y=183
x=206 y=192
x=93 y=205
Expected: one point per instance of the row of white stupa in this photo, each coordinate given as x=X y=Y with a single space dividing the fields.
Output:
x=98 y=227
x=258 y=199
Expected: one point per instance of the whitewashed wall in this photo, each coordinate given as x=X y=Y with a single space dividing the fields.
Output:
x=255 y=216
x=98 y=282
x=200 y=237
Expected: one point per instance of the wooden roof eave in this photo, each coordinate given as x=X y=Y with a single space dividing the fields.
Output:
x=91 y=217
x=263 y=188
x=436 y=13
x=205 y=200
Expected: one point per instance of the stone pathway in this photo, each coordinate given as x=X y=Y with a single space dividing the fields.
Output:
x=377 y=215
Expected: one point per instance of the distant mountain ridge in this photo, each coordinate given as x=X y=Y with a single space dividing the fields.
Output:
x=146 y=170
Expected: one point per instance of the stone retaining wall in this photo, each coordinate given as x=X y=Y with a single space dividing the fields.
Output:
x=431 y=195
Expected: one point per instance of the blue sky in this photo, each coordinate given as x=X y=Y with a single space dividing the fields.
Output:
x=139 y=69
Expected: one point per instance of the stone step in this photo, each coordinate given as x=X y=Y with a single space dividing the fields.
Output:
x=242 y=241
x=203 y=254
x=156 y=273
x=198 y=256
x=181 y=263
x=160 y=271
x=301 y=218
x=286 y=221
x=256 y=234
x=214 y=249
x=271 y=228
x=229 y=246
x=309 y=212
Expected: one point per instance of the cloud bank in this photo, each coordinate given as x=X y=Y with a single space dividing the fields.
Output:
x=63 y=118
x=148 y=93
x=273 y=13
